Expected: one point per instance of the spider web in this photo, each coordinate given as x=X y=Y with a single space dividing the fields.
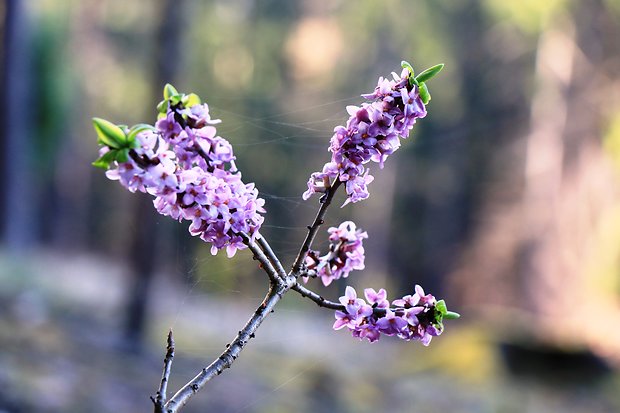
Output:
x=313 y=135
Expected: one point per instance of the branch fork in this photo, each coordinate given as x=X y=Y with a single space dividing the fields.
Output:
x=280 y=282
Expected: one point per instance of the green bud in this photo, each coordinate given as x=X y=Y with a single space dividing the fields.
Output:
x=424 y=93
x=429 y=73
x=176 y=99
x=451 y=315
x=169 y=91
x=109 y=134
x=443 y=313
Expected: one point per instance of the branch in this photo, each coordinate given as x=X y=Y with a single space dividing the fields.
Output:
x=160 y=399
x=262 y=258
x=273 y=258
x=312 y=229
x=227 y=358
x=280 y=283
x=322 y=302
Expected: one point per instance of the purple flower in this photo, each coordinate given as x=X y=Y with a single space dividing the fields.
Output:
x=356 y=311
x=168 y=126
x=344 y=320
x=198 y=115
x=407 y=301
x=350 y=301
x=192 y=175
x=369 y=331
x=377 y=299
x=391 y=324
x=371 y=134
x=413 y=317
x=346 y=253
x=428 y=299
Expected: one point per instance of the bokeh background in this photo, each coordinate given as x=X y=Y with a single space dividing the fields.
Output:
x=505 y=201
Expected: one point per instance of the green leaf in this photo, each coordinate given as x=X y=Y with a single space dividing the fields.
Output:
x=424 y=93
x=109 y=134
x=451 y=315
x=406 y=65
x=191 y=100
x=105 y=159
x=429 y=73
x=123 y=155
x=136 y=129
x=162 y=107
x=169 y=91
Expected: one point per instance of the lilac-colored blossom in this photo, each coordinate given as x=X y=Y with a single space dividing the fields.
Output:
x=377 y=299
x=372 y=133
x=192 y=175
x=346 y=253
x=409 y=318
x=391 y=324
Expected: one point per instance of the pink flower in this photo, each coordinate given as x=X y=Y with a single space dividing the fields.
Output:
x=371 y=134
x=192 y=175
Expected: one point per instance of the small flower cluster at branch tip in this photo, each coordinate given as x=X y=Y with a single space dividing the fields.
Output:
x=412 y=317
x=346 y=253
x=189 y=170
x=373 y=132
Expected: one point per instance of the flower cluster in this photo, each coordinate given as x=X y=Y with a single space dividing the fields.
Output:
x=413 y=317
x=191 y=173
x=372 y=133
x=346 y=253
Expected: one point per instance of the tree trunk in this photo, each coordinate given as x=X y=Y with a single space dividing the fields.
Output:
x=18 y=222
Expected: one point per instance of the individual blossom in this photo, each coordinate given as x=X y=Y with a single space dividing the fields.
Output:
x=346 y=253
x=356 y=310
x=391 y=324
x=377 y=299
x=372 y=133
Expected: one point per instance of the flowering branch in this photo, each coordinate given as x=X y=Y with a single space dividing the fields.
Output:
x=312 y=229
x=192 y=174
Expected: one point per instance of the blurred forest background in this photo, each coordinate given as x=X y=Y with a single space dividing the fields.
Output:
x=506 y=202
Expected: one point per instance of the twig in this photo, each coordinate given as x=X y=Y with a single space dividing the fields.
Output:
x=312 y=229
x=227 y=358
x=279 y=283
x=322 y=302
x=160 y=399
x=262 y=258
x=273 y=258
